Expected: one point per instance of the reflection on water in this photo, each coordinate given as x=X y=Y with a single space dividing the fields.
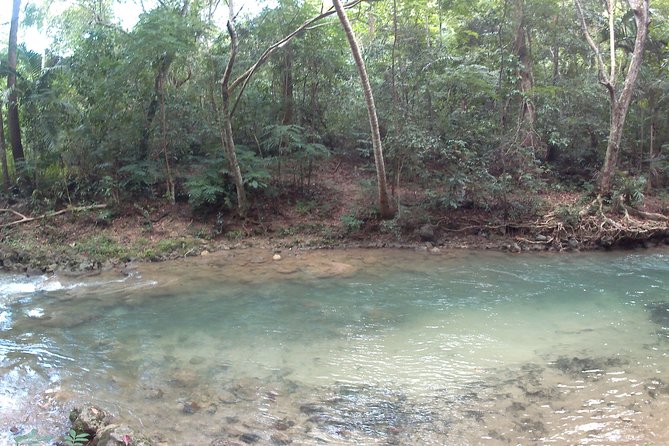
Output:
x=350 y=347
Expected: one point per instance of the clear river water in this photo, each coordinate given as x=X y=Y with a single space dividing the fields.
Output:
x=348 y=347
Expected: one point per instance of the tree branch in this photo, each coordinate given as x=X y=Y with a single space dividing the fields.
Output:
x=25 y=219
x=244 y=78
x=604 y=78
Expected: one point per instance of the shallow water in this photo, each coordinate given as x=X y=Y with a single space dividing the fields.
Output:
x=349 y=347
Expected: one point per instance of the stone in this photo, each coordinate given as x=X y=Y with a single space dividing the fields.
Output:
x=249 y=438
x=119 y=435
x=190 y=407
x=541 y=238
x=90 y=419
x=153 y=393
x=204 y=253
x=426 y=233
x=281 y=439
x=276 y=257
x=514 y=247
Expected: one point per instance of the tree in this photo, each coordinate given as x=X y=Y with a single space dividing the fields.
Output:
x=228 y=107
x=619 y=103
x=13 y=110
x=385 y=210
x=3 y=154
x=225 y=116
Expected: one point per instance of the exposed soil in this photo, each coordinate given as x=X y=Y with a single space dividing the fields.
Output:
x=337 y=210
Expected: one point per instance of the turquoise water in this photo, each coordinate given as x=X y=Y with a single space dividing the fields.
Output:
x=349 y=347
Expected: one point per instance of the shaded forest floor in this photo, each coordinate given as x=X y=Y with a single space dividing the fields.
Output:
x=336 y=211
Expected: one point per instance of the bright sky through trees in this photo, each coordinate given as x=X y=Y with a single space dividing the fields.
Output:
x=127 y=11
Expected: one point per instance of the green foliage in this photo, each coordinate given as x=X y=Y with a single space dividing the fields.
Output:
x=629 y=189
x=31 y=438
x=72 y=438
x=295 y=149
x=351 y=223
x=99 y=248
x=211 y=187
x=570 y=216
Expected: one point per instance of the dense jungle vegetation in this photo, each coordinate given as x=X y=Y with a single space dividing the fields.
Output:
x=482 y=104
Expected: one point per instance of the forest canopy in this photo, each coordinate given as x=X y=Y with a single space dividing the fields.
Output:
x=483 y=104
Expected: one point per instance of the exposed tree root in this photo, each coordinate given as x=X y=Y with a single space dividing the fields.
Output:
x=26 y=219
x=588 y=227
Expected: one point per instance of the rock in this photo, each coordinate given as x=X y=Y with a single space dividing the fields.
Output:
x=435 y=250
x=279 y=438
x=119 y=435
x=426 y=233
x=249 y=438
x=605 y=241
x=647 y=244
x=153 y=393
x=514 y=247
x=276 y=257
x=197 y=360
x=282 y=425
x=573 y=244
x=190 y=407
x=541 y=238
x=224 y=442
x=204 y=253
x=90 y=419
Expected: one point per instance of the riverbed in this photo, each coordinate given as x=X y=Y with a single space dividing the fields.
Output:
x=348 y=347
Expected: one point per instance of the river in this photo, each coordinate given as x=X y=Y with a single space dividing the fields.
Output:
x=345 y=347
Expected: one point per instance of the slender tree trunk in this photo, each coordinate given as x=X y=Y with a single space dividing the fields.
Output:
x=169 y=182
x=288 y=87
x=163 y=69
x=393 y=74
x=226 y=119
x=528 y=114
x=385 y=209
x=13 y=110
x=619 y=105
x=3 y=154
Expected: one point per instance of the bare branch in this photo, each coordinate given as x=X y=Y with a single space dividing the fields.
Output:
x=25 y=219
x=604 y=78
x=244 y=78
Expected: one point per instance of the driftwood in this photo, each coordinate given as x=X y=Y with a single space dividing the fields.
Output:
x=26 y=219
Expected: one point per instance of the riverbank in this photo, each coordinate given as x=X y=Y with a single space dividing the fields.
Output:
x=102 y=238
x=337 y=212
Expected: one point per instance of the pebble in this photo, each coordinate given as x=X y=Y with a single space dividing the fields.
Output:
x=276 y=257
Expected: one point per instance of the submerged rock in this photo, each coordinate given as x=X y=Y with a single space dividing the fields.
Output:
x=659 y=314
x=119 y=435
x=592 y=367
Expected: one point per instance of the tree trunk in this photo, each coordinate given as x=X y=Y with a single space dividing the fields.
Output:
x=528 y=114
x=288 y=87
x=169 y=182
x=619 y=107
x=163 y=68
x=13 y=110
x=3 y=154
x=226 y=119
x=385 y=209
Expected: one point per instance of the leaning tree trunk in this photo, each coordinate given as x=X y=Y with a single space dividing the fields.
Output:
x=225 y=120
x=13 y=110
x=385 y=209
